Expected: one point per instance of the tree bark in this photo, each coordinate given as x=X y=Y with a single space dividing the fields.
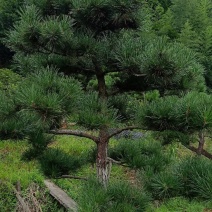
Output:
x=201 y=143
x=102 y=165
x=100 y=76
x=101 y=85
x=204 y=152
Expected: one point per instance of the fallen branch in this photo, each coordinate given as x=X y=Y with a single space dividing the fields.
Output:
x=25 y=207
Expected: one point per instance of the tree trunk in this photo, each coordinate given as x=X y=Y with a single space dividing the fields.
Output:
x=101 y=86
x=103 y=170
x=100 y=76
x=201 y=143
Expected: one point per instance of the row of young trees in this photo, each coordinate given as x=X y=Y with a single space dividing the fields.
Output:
x=57 y=44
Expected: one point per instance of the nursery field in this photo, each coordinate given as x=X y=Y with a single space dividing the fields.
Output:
x=127 y=190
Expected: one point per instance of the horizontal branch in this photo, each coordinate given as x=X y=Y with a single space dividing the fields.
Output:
x=118 y=131
x=75 y=133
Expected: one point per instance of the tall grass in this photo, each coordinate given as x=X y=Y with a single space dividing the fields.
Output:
x=119 y=196
x=7 y=198
x=180 y=204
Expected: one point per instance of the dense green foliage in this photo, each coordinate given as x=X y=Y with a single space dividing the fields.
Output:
x=8 y=15
x=190 y=178
x=189 y=22
x=38 y=104
x=183 y=118
x=109 y=65
x=8 y=79
x=118 y=197
x=144 y=154
x=55 y=163
x=116 y=41
x=189 y=113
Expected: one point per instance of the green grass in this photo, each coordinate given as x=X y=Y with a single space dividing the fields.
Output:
x=73 y=145
x=13 y=168
x=183 y=205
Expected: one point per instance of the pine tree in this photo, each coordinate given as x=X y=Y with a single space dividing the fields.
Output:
x=8 y=16
x=192 y=20
x=189 y=37
x=93 y=40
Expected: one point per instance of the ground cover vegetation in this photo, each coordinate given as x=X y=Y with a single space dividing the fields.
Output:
x=133 y=77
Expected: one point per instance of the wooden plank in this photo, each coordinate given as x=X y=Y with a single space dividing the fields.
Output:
x=61 y=196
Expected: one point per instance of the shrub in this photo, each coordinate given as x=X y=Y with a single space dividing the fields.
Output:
x=55 y=163
x=192 y=177
x=142 y=154
x=38 y=142
x=164 y=185
x=196 y=176
x=119 y=196
x=124 y=194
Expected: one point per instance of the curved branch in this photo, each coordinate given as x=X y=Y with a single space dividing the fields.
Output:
x=195 y=150
x=75 y=133
x=118 y=131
